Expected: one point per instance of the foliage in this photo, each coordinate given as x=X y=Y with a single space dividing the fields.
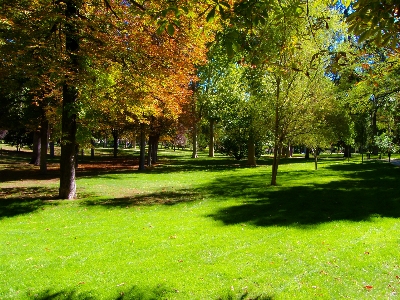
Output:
x=376 y=20
x=368 y=88
x=19 y=138
x=385 y=143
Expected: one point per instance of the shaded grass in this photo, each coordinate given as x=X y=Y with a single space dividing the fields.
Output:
x=207 y=229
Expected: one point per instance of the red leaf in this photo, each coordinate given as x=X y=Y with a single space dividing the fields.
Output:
x=368 y=287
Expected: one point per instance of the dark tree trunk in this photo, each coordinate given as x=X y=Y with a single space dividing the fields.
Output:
x=211 y=141
x=154 y=151
x=347 y=151
x=142 y=147
x=70 y=95
x=277 y=140
x=35 y=160
x=115 y=136
x=307 y=155
x=76 y=156
x=44 y=136
x=68 y=143
x=275 y=165
x=93 y=142
x=51 y=146
x=375 y=149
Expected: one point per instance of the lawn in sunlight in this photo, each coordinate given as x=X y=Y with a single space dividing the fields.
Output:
x=207 y=228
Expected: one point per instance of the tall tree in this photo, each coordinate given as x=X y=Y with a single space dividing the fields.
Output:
x=288 y=53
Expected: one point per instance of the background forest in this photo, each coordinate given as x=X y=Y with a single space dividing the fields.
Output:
x=241 y=78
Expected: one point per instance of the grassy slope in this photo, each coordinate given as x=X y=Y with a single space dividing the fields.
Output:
x=207 y=229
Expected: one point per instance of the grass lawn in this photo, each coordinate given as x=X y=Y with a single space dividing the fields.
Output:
x=201 y=229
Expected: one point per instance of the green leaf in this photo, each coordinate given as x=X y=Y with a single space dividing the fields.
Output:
x=226 y=5
x=211 y=15
x=185 y=9
x=171 y=29
x=164 y=12
x=161 y=27
x=364 y=36
x=346 y=3
x=229 y=48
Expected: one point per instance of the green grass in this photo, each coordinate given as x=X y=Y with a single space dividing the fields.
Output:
x=205 y=229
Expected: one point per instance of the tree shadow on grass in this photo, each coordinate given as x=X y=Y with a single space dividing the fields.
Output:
x=128 y=293
x=160 y=291
x=367 y=191
x=159 y=198
x=23 y=200
x=242 y=296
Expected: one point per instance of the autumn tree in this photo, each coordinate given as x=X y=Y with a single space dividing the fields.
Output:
x=78 y=36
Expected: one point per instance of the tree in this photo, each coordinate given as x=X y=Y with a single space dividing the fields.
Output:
x=375 y=20
x=369 y=86
x=385 y=144
x=82 y=36
x=288 y=55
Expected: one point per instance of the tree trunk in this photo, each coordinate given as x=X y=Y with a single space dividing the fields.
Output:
x=375 y=149
x=76 y=156
x=149 y=151
x=194 y=139
x=316 y=158
x=287 y=151
x=93 y=142
x=51 y=146
x=70 y=96
x=68 y=143
x=275 y=164
x=44 y=136
x=211 y=142
x=35 y=160
x=142 y=156
x=251 y=149
x=134 y=142
x=347 y=151
x=307 y=155
x=115 y=136
x=154 y=157
x=277 y=142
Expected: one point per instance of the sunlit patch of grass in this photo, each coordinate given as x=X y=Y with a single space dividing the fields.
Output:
x=209 y=229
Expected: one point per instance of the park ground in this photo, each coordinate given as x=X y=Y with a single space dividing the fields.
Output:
x=207 y=228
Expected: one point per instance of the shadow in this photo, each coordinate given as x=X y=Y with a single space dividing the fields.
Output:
x=158 y=292
x=244 y=296
x=88 y=168
x=23 y=200
x=160 y=198
x=367 y=191
x=210 y=164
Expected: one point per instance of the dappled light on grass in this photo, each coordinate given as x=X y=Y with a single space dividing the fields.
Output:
x=205 y=232
x=365 y=191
